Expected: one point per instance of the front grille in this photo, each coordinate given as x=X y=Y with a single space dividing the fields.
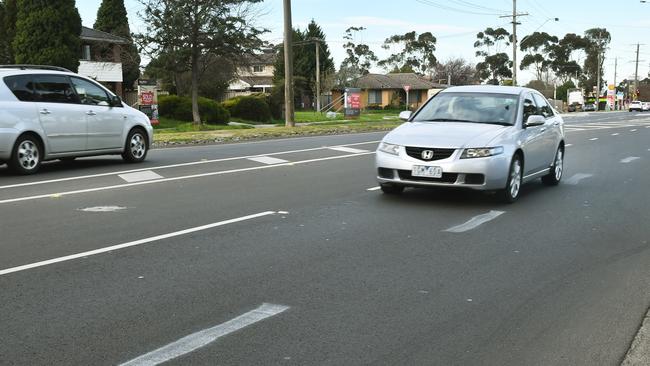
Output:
x=438 y=154
x=446 y=177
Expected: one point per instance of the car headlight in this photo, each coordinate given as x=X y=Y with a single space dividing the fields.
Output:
x=388 y=148
x=481 y=152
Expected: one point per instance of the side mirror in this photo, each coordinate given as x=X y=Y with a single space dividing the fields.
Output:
x=116 y=101
x=405 y=115
x=535 y=120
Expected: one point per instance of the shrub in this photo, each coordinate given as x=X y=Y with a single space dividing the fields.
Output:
x=374 y=107
x=180 y=108
x=251 y=108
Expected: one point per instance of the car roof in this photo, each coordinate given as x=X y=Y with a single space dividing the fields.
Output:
x=495 y=89
x=23 y=71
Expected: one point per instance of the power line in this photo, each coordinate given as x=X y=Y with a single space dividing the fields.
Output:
x=450 y=8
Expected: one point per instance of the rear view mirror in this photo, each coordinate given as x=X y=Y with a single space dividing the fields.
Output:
x=535 y=120
x=405 y=115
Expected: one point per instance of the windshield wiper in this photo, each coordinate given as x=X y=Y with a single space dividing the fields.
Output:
x=499 y=123
x=447 y=120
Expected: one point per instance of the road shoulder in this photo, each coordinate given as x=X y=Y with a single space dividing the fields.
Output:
x=639 y=352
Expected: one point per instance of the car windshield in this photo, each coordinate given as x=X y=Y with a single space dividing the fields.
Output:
x=490 y=108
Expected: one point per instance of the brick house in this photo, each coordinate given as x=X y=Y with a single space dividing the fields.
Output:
x=101 y=58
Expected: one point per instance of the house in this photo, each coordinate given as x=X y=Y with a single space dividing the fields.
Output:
x=101 y=58
x=256 y=76
x=379 y=91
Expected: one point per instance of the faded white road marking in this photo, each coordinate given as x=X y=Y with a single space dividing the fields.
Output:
x=185 y=177
x=615 y=134
x=202 y=338
x=593 y=139
x=132 y=243
x=348 y=149
x=268 y=160
x=373 y=188
x=629 y=159
x=576 y=178
x=103 y=209
x=568 y=145
x=140 y=176
x=633 y=130
x=475 y=222
x=172 y=166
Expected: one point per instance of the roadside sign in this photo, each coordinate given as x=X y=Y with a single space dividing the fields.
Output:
x=147 y=98
x=407 y=88
x=352 y=102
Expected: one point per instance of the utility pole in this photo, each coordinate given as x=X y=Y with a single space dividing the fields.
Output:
x=598 y=68
x=615 y=70
x=636 y=71
x=514 y=39
x=317 y=43
x=288 y=66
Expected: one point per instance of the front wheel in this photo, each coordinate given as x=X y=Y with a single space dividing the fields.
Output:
x=26 y=156
x=555 y=175
x=391 y=188
x=511 y=192
x=135 y=149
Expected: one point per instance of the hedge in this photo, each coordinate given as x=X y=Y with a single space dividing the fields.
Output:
x=180 y=108
x=250 y=108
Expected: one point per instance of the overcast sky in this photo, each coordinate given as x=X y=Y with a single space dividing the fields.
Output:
x=454 y=22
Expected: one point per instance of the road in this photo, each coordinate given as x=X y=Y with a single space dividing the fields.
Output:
x=212 y=255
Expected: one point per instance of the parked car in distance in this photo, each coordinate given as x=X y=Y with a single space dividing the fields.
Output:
x=589 y=107
x=645 y=106
x=489 y=138
x=51 y=113
x=636 y=106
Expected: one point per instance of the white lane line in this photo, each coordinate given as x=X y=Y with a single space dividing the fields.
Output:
x=132 y=243
x=633 y=130
x=629 y=159
x=615 y=134
x=193 y=176
x=103 y=209
x=268 y=160
x=475 y=222
x=202 y=338
x=373 y=188
x=140 y=176
x=568 y=145
x=173 y=166
x=347 y=149
x=593 y=139
x=576 y=178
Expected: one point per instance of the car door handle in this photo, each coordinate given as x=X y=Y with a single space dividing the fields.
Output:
x=45 y=111
x=542 y=129
x=556 y=123
x=91 y=113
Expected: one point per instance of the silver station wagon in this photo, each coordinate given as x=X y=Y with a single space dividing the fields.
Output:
x=476 y=137
x=51 y=113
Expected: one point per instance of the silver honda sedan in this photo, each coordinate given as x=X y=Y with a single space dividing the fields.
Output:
x=491 y=138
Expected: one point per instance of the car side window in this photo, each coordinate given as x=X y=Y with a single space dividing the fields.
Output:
x=54 y=89
x=530 y=108
x=90 y=93
x=22 y=87
x=543 y=106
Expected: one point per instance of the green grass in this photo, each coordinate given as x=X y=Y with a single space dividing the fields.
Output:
x=168 y=125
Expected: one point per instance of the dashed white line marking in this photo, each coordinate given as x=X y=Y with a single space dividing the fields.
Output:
x=593 y=139
x=475 y=222
x=268 y=160
x=576 y=178
x=568 y=145
x=103 y=209
x=348 y=149
x=373 y=188
x=615 y=134
x=202 y=338
x=633 y=130
x=629 y=159
x=132 y=243
x=185 y=177
x=140 y=176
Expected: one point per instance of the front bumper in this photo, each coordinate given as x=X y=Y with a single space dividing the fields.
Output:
x=488 y=173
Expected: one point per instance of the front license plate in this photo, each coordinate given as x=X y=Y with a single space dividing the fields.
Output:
x=426 y=171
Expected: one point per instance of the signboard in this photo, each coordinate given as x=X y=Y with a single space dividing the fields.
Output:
x=352 y=102
x=611 y=96
x=146 y=98
x=407 y=88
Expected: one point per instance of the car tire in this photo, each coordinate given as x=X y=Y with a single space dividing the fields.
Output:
x=512 y=190
x=135 y=147
x=557 y=169
x=391 y=188
x=26 y=155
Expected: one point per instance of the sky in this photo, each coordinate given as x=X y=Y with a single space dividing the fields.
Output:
x=453 y=22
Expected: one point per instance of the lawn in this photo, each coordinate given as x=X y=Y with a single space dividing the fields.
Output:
x=168 y=125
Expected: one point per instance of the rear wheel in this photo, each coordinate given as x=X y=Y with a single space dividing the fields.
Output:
x=135 y=149
x=513 y=186
x=26 y=155
x=555 y=175
x=391 y=188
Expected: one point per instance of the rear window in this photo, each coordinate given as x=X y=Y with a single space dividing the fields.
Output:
x=22 y=87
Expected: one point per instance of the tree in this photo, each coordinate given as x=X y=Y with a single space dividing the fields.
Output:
x=4 y=46
x=417 y=52
x=459 y=69
x=596 y=40
x=112 y=18
x=561 y=56
x=496 y=65
x=190 y=32
x=562 y=90
x=8 y=29
x=359 y=56
x=538 y=47
x=542 y=87
x=47 y=33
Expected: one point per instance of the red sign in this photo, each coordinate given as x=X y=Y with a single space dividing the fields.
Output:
x=407 y=88
x=354 y=100
x=146 y=98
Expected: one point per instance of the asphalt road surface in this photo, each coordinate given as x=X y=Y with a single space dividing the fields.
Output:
x=285 y=253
